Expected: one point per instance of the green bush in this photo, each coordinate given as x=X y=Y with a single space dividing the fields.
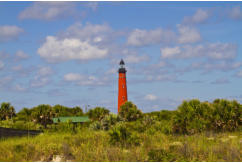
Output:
x=63 y=111
x=96 y=125
x=108 y=121
x=226 y=115
x=129 y=112
x=121 y=135
x=160 y=155
x=191 y=117
x=194 y=116
x=98 y=113
x=163 y=115
x=7 y=111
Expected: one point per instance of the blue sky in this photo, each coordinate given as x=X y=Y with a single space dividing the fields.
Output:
x=68 y=52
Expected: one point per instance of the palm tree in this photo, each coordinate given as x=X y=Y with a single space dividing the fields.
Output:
x=7 y=111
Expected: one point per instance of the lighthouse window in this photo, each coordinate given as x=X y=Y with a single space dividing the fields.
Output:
x=123 y=85
x=123 y=98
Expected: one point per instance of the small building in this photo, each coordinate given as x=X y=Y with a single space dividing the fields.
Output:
x=80 y=119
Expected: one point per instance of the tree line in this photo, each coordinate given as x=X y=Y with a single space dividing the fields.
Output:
x=190 y=117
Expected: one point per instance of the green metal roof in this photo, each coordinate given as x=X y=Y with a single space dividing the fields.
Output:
x=72 y=119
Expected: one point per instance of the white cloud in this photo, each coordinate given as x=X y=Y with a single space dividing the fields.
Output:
x=136 y=58
x=188 y=34
x=93 y=5
x=72 y=77
x=160 y=77
x=169 y=52
x=42 y=77
x=150 y=97
x=48 y=10
x=140 y=37
x=223 y=65
x=21 y=55
x=8 y=32
x=222 y=51
x=236 y=13
x=54 y=50
x=19 y=88
x=111 y=71
x=88 y=30
x=39 y=82
x=44 y=71
x=1 y=65
x=200 y=16
x=85 y=80
x=219 y=51
x=93 y=33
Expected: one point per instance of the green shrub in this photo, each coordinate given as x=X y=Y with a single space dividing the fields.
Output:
x=129 y=112
x=191 y=117
x=7 y=111
x=163 y=115
x=194 y=116
x=121 y=135
x=98 y=113
x=96 y=125
x=108 y=121
x=160 y=155
x=226 y=115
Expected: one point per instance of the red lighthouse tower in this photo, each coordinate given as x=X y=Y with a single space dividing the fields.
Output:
x=122 y=87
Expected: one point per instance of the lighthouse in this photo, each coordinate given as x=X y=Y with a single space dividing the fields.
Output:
x=122 y=86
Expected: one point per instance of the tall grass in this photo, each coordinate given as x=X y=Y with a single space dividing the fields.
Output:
x=88 y=145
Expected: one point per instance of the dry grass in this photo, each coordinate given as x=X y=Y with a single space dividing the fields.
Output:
x=89 y=145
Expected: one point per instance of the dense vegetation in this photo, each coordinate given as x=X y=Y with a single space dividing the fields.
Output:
x=196 y=131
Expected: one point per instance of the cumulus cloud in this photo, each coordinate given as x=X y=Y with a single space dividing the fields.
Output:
x=219 y=51
x=95 y=33
x=139 y=37
x=72 y=77
x=188 y=34
x=48 y=10
x=39 y=81
x=224 y=65
x=45 y=71
x=200 y=16
x=8 y=32
x=236 y=13
x=79 y=42
x=136 y=58
x=54 y=50
x=42 y=77
x=22 y=71
x=169 y=52
x=85 y=80
x=21 y=55
x=161 y=77
x=150 y=97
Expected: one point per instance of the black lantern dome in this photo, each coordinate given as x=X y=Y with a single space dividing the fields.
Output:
x=122 y=68
x=122 y=62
